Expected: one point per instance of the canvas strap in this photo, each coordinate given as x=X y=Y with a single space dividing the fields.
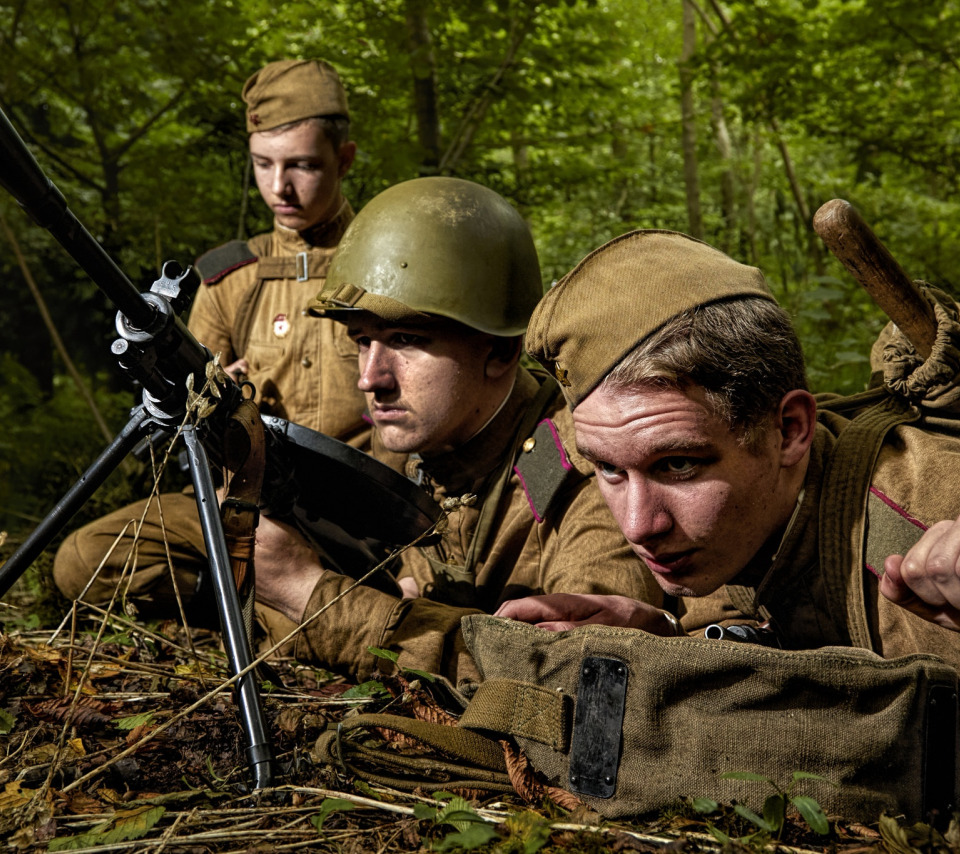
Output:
x=472 y=760
x=244 y=456
x=843 y=511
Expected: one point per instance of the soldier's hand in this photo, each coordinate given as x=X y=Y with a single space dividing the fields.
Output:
x=238 y=370
x=926 y=580
x=560 y=612
x=287 y=568
x=408 y=587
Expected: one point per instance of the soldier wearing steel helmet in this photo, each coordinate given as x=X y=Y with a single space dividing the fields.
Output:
x=435 y=281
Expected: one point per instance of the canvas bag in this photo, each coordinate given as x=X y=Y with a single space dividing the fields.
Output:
x=883 y=730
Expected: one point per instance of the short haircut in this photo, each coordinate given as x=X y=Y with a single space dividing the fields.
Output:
x=743 y=352
x=335 y=128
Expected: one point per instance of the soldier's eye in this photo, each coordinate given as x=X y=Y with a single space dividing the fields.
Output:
x=607 y=470
x=408 y=339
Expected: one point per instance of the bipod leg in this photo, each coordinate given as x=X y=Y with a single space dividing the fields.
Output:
x=259 y=750
x=74 y=499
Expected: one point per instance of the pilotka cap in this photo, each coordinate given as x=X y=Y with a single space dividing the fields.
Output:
x=291 y=90
x=623 y=292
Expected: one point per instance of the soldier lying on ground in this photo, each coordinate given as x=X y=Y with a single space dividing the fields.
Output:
x=741 y=492
x=435 y=280
x=251 y=309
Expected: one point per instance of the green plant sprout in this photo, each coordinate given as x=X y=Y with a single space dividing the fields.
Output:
x=374 y=688
x=775 y=806
x=470 y=829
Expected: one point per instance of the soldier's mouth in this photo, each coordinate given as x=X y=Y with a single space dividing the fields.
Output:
x=388 y=413
x=672 y=563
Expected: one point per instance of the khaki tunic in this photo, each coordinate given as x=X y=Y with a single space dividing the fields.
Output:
x=577 y=548
x=305 y=370
x=911 y=487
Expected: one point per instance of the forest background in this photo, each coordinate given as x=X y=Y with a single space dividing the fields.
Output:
x=731 y=121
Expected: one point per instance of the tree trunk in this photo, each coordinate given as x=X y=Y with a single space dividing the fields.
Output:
x=803 y=209
x=423 y=68
x=688 y=123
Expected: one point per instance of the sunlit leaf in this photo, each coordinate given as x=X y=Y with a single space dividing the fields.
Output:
x=744 y=775
x=474 y=836
x=7 y=722
x=751 y=816
x=364 y=690
x=328 y=806
x=812 y=813
x=126 y=824
x=809 y=775
x=705 y=805
x=383 y=653
x=133 y=721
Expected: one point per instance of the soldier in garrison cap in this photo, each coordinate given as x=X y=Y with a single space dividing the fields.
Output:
x=435 y=281
x=747 y=497
x=252 y=310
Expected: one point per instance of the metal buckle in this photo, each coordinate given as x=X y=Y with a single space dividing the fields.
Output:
x=302 y=274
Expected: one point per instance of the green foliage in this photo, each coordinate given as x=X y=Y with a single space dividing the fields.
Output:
x=527 y=832
x=133 y=721
x=470 y=830
x=394 y=657
x=775 y=806
x=327 y=806
x=570 y=109
x=123 y=825
x=47 y=443
x=366 y=690
x=7 y=722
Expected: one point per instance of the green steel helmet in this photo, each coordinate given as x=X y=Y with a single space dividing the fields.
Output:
x=436 y=246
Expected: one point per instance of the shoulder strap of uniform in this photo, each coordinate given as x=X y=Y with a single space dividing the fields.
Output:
x=534 y=412
x=215 y=264
x=542 y=467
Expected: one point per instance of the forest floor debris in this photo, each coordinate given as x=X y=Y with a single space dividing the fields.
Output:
x=115 y=737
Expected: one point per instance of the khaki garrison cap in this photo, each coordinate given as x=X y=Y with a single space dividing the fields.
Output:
x=623 y=292
x=291 y=90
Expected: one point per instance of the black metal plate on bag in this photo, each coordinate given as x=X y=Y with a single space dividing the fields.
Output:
x=940 y=755
x=598 y=727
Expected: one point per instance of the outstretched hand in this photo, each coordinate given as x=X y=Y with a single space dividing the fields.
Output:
x=926 y=580
x=560 y=612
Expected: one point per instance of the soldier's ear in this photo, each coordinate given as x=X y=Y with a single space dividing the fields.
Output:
x=796 y=421
x=347 y=153
x=503 y=355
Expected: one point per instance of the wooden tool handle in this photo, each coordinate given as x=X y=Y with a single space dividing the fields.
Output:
x=848 y=237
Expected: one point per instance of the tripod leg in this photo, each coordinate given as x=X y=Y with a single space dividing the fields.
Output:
x=259 y=751
x=75 y=498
